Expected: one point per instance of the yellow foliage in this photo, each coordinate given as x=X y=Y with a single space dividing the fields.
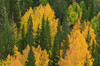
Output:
x=37 y=16
x=41 y=57
x=88 y=30
x=17 y=59
x=78 y=49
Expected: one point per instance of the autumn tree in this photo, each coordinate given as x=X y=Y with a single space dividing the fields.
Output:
x=74 y=13
x=37 y=17
x=78 y=49
x=41 y=56
x=17 y=59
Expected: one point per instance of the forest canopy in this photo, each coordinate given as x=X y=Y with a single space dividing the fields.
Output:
x=49 y=32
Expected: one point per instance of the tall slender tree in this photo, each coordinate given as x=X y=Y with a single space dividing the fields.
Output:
x=45 y=41
x=15 y=12
x=56 y=48
x=22 y=44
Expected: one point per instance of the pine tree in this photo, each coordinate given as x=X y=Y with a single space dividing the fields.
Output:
x=25 y=4
x=84 y=11
x=31 y=58
x=56 y=48
x=15 y=12
x=91 y=9
x=64 y=38
x=7 y=35
x=47 y=36
x=45 y=41
x=42 y=35
x=97 y=51
x=30 y=41
x=29 y=34
x=7 y=39
x=59 y=7
x=22 y=44
x=37 y=39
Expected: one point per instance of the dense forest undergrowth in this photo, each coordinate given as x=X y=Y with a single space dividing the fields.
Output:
x=49 y=32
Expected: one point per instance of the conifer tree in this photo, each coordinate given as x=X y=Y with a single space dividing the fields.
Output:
x=42 y=35
x=64 y=38
x=29 y=34
x=45 y=41
x=37 y=39
x=7 y=35
x=56 y=48
x=7 y=38
x=97 y=50
x=59 y=7
x=47 y=37
x=30 y=41
x=15 y=12
x=22 y=44
x=25 y=4
x=84 y=11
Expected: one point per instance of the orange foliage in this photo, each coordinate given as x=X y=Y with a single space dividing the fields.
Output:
x=17 y=59
x=41 y=57
x=78 y=49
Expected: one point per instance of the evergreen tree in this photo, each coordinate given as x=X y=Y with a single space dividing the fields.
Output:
x=29 y=34
x=97 y=51
x=15 y=11
x=45 y=41
x=59 y=7
x=30 y=41
x=56 y=48
x=47 y=36
x=91 y=9
x=35 y=3
x=22 y=44
x=42 y=35
x=25 y=4
x=84 y=11
x=64 y=38
x=7 y=38
x=37 y=39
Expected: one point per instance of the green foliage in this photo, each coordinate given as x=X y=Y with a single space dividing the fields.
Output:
x=31 y=59
x=15 y=11
x=59 y=7
x=97 y=51
x=74 y=13
x=43 y=2
x=94 y=22
x=7 y=40
x=56 y=48
x=84 y=11
x=25 y=4
x=22 y=44
x=37 y=38
x=29 y=34
x=45 y=41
